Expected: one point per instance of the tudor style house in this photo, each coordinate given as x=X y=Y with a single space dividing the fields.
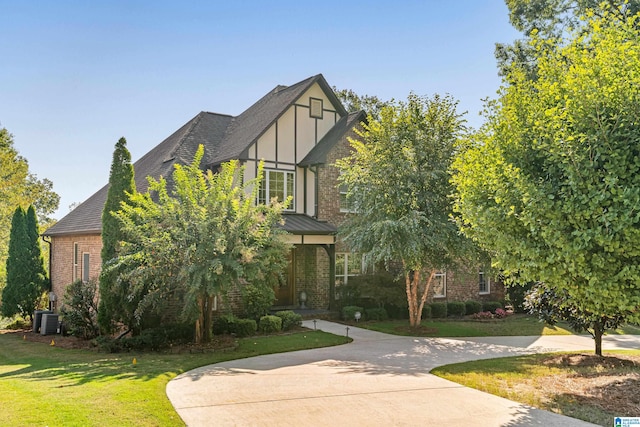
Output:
x=299 y=131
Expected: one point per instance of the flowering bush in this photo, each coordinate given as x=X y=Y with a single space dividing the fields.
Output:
x=501 y=313
x=483 y=315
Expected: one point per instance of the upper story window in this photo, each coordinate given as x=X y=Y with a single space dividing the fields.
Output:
x=440 y=284
x=315 y=108
x=279 y=185
x=484 y=283
x=346 y=205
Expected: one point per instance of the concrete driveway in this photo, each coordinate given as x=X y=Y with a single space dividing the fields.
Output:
x=377 y=380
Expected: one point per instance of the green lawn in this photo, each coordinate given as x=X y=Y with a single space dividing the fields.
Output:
x=43 y=385
x=580 y=390
x=515 y=325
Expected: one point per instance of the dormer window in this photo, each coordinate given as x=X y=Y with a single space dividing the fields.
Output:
x=277 y=184
x=315 y=108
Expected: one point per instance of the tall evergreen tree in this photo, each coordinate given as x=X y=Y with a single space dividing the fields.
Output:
x=37 y=272
x=121 y=181
x=23 y=287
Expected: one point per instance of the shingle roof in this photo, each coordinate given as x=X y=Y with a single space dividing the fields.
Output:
x=224 y=138
x=304 y=224
x=318 y=154
x=179 y=148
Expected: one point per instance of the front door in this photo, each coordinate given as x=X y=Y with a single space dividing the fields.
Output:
x=285 y=293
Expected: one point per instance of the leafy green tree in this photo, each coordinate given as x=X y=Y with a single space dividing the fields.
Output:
x=398 y=182
x=552 y=306
x=550 y=186
x=25 y=280
x=114 y=306
x=18 y=187
x=371 y=104
x=198 y=241
x=551 y=20
x=80 y=309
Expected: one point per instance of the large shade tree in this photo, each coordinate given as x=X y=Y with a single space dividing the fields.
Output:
x=551 y=19
x=551 y=184
x=398 y=183
x=115 y=307
x=198 y=240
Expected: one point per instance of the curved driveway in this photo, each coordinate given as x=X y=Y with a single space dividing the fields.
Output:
x=377 y=380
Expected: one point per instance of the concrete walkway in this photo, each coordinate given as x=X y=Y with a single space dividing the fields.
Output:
x=377 y=380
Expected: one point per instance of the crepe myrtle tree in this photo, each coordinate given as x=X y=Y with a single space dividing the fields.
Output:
x=198 y=240
x=550 y=186
x=398 y=183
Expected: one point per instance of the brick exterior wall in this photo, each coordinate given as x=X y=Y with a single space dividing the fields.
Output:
x=63 y=271
x=464 y=285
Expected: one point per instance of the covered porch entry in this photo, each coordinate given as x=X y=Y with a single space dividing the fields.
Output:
x=311 y=268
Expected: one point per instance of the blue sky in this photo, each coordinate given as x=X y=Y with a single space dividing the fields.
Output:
x=76 y=76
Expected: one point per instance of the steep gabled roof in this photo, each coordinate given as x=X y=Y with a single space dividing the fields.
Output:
x=224 y=138
x=318 y=154
x=253 y=122
x=179 y=148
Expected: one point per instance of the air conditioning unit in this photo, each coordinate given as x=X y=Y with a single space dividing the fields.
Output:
x=49 y=324
x=37 y=319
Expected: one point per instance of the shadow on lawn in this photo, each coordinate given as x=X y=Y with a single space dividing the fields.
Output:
x=41 y=362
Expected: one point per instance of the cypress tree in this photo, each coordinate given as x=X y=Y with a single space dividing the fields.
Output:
x=38 y=274
x=113 y=304
x=22 y=290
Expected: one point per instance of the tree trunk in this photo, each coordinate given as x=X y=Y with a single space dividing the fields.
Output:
x=598 y=331
x=208 y=320
x=200 y=321
x=425 y=293
x=412 y=284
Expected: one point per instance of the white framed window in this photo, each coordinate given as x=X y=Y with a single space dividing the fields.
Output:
x=75 y=261
x=348 y=264
x=440 y=284
x=484 y=283
x=86 y=257
x=279 y=185
x=315 y=108
x=345 y=204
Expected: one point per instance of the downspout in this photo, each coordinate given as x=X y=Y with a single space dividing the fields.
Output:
x=51 y=303
x=50 y=254
x=315 y=190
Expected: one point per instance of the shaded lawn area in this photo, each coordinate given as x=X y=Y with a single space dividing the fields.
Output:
x=45 y=385
x=584 y=386
x=515 y=325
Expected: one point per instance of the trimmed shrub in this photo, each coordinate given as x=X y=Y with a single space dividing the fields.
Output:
x=245 y=327
x=224 y=324
x=349 y=312
x=438 y=310
x=257 y=299
x=270 y=324
x=290 y=319
x=472 y=307
x=426 y=311
x=456 y=308
x=491 y=306
x=377 y=313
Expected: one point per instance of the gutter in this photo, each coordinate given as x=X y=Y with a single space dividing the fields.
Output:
x=50 y=255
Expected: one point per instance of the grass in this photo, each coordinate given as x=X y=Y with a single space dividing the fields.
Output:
x=516 y=325
x=44 y=385
x=540 y=381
